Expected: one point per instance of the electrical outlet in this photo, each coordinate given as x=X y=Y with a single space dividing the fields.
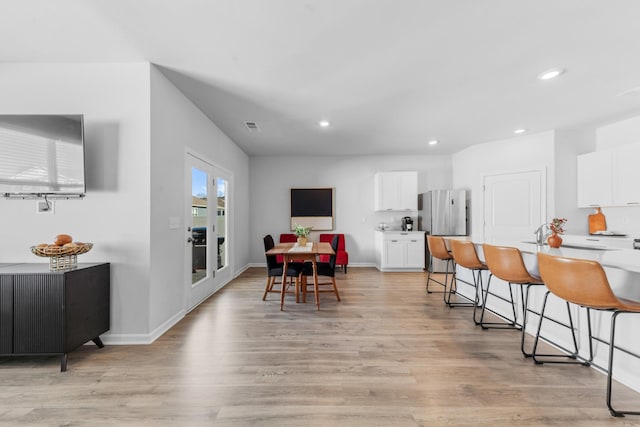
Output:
x=45 y=206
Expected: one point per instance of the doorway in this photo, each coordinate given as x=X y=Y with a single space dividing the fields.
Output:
x=514 y=205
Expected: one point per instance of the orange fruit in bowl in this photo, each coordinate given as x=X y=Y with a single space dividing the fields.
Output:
x=62 y=239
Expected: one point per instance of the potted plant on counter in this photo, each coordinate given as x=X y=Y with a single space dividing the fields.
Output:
x=557 y=227
x=302 y=233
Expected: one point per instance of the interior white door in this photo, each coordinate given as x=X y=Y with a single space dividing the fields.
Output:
x=514 y=205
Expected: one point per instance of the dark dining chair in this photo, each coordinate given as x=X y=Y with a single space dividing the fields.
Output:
x=274 y=271
x=327 y=269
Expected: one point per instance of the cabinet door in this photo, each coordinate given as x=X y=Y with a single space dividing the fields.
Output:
x=396 y=191
x=38 y=301
x=407 y=191
x=626 y=176
x=386 y=194
x=595 y=183
x=414 y=250
x=6 y=314
x=393 y=256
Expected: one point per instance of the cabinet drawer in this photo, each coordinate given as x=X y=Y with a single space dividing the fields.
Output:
x=404 y=237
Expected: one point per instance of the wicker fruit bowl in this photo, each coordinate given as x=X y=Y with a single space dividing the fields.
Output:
x=66 y=250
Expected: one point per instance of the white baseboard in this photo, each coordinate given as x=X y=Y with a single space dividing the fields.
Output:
x=142 y=339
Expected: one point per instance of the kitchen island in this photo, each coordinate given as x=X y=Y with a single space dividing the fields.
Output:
x=622 y=267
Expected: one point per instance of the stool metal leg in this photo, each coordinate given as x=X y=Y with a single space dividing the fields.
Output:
x=572 y=354
x=453 y=290
x=479 y=299
x=498 y=325
x=430 y=279
x=615 y=412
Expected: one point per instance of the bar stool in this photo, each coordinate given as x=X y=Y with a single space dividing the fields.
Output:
x=506 y=263
x=438 y=249
x=465 y=255
x=585 y=283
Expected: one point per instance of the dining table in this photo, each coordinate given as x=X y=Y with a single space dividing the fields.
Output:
x=293 y=252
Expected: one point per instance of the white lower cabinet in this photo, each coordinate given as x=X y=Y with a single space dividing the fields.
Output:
x=400 y=251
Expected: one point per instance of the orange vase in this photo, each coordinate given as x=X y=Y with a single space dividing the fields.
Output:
x=554 y=240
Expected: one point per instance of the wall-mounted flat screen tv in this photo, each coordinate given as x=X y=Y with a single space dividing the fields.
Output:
x=312 y=207
x=42 y=155
x=311 y=202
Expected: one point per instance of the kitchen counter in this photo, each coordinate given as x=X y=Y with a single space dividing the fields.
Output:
x=608 y=256
x=621 y=265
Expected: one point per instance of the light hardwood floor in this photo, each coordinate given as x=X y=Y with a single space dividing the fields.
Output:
x=387 y=355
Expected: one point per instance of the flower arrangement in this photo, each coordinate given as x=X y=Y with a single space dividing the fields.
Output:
x=301 y=231
x=557 y=225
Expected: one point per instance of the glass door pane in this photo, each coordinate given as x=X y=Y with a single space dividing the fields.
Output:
x=199 y=221
x=222 y=188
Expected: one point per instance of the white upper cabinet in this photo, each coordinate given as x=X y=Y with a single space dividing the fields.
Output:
x=609 y=177
x=595 y=181
x=396 y=191
x=626 y=175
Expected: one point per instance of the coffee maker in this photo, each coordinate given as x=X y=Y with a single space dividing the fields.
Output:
x=407 y=223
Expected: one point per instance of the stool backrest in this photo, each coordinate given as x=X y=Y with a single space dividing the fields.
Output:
x=438 y=248
x=578 y=281
x=465 y=255
x=506 y=263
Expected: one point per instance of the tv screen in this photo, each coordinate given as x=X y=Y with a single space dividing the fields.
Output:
x=311 y=202
x=42 y=155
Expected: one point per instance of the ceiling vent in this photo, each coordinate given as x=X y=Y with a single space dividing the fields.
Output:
x=252 y=126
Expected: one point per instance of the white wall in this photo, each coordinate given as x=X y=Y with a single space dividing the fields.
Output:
x=568 y=145
x=115 y=213
x=175 y=125
x=352 y=178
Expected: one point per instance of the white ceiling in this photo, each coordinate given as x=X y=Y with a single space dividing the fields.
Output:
x=389 y=74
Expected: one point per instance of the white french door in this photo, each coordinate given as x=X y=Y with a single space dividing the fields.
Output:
x=207 y=238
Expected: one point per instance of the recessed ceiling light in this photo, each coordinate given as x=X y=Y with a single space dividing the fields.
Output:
x=519 y=131
x=550 y=74
x=324 y=123
x=433 y=142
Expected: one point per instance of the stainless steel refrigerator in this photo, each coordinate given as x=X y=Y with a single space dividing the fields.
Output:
x=442 y=213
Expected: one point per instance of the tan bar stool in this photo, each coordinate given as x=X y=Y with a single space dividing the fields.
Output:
x=506 y=263
x=465 y=255
x=585 y=283
x=438 y=249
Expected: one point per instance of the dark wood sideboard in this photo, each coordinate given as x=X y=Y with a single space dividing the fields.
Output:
x=52 y=312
